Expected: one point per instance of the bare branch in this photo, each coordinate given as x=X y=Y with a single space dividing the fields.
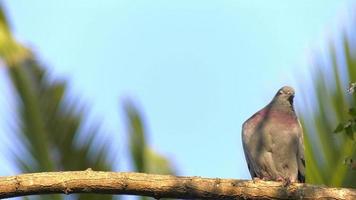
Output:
x=159 y=186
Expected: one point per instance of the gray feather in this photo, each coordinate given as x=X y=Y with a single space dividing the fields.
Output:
x=273 y=141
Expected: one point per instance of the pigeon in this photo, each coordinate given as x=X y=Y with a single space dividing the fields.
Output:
x=272 y=141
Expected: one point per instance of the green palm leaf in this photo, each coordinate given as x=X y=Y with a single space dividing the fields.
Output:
x=325 y=151
x=144 y=158
x=51 y=128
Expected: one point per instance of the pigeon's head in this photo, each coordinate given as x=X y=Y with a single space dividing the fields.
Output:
x=285 y=94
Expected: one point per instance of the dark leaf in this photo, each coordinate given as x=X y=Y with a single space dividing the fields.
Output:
x=354 y=126
x=349 y=132
x=339 y=128
x=352 y=111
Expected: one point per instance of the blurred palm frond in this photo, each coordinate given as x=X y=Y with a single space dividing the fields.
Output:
x=144 y=158
x=326 y=151
x=52 y=130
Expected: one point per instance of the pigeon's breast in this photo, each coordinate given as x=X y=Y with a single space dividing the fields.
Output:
x=271 y=119
x=286 y=118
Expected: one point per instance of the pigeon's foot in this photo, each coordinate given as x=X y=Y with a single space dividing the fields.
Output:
x=256 y=179
x=286 y=181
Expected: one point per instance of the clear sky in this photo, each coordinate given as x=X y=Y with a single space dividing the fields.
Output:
x=197 y=68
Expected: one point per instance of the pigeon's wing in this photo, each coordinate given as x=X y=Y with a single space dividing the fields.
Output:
x=300 y=156
x=246 y=133
x=249 y=163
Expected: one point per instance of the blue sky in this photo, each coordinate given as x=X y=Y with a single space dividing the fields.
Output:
x=197 y=69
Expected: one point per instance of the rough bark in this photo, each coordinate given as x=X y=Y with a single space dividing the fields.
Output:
x=159 y=186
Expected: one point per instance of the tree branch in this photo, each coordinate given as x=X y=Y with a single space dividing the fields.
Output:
x=159 y=186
